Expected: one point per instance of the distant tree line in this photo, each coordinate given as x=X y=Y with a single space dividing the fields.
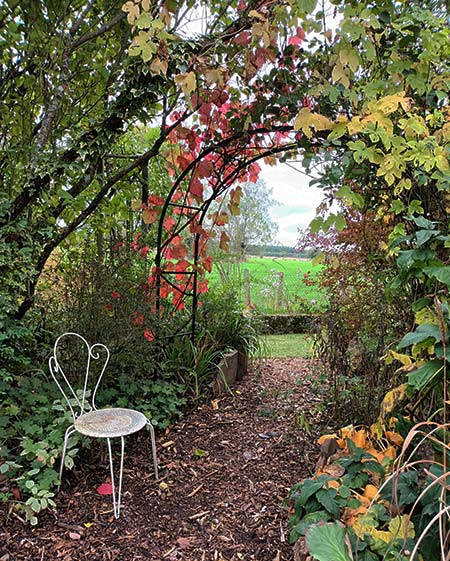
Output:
x=281 y=251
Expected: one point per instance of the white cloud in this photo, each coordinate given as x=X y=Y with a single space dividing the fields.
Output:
x=298 y=201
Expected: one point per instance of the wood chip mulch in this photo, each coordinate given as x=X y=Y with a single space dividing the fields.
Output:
x=226 y=470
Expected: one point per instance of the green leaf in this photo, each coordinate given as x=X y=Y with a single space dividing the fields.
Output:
x=309 y=487
x=145 y=20
x=316 y=224
x=338 y=131
x=327 y=498
x=423 y=332
x=340 y=222
x=422 y=236
x=397 y=206
x=306 y=6
x=327 y=543
x=422 y=376
x=442 y=274
x=409 y=257
x=307 y=521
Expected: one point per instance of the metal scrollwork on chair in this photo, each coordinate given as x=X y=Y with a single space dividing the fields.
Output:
x=97 y=423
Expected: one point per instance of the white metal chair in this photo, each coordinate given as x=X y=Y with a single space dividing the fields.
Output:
x=97 y=423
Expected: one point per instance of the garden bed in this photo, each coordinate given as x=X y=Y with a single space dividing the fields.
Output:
x=225 y=471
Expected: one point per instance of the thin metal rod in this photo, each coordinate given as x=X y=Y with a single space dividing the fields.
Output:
x=70 y=430
x=116 y=500
x=152 y=436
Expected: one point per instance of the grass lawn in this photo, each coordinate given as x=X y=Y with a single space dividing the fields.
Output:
x=264 y=278
x=289 y=345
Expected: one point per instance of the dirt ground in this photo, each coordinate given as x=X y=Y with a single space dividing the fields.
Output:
x=225 y=472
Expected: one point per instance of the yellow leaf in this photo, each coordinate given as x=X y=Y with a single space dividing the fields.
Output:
x=305 y=119
x=338 y=74
x=370 y=491
x=425 y=315
x=88 y=524
x=215 y=404
x=391 y=399
x=136 y=205
x=349 y=58
x=394 y=437
x=404 y=359
x=318 y=259
x=355 y=126
x=379 y=119
x=149 y=216
x=401 y=527
x=256 y=15
x=187 y=81
x=163 y=485
x=159 y=66
x=132 y=11
x=390 y=103
x=325 y=437
x=145 y=5
x=214 y=76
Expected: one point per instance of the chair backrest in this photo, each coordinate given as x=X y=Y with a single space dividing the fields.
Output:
x=77 y=402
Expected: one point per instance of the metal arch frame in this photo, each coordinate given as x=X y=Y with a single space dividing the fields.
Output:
x=197 y=212
x=55 y=370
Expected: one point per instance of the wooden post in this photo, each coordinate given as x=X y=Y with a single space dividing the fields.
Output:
x=280 y=290
x=246 y=287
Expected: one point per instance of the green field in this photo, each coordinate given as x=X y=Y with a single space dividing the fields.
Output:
x=286 y=346
x=268 y=291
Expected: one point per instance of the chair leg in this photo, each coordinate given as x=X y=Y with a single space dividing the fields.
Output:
x=116 y=501
x=153 y=439
x=70 y=430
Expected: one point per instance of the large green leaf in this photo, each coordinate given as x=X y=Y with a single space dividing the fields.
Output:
x=420 y=377
x=327 y=543
x=409 y=257
x=423 y=332
x=442 y=274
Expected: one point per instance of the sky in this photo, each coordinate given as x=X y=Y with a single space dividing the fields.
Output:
x=297 y=200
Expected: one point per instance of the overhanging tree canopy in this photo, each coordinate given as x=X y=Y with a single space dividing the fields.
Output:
x=366 y=105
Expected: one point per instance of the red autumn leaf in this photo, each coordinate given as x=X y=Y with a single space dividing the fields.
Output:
x=243 y=38
x=115 y=294
x=178 y=301
x=182 y=265
x=169 y=223
x=202 y=287
x=144 y=251
x=164 y=290
x=204 y=168
x=155 y=200
x=176 y=196
x=207 y=263
x=196 y=188
x=149 y=335
x=178 y=252
x=105 y=489
x=118 y=244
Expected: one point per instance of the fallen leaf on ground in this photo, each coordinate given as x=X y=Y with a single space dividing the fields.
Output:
x=74 y=535
x=105 y=489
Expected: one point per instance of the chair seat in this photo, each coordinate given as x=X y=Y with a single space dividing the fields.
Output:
x=109 y=423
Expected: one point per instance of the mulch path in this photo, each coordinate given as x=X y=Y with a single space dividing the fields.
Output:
x=225 y=475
